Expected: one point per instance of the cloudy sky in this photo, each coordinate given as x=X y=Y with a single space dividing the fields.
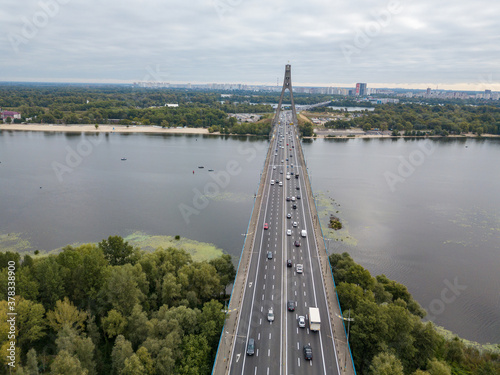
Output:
x=450 y=44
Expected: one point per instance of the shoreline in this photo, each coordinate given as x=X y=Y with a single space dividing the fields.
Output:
x=102 y=129
x=151 y=129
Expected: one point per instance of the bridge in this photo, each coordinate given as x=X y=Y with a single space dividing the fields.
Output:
x=283 y=273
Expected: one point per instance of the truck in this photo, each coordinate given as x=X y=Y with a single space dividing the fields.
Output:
x=314 y=319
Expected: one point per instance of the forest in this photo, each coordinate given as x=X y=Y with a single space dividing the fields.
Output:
x=388 y=336
x=418 y=119
x=110 y=308
x=125 y=105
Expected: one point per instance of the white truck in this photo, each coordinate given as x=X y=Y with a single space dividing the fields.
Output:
x=314 y=319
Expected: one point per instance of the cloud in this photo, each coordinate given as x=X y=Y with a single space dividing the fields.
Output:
x=251 y=40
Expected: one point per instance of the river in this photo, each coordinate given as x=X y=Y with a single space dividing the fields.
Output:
x=425 y=213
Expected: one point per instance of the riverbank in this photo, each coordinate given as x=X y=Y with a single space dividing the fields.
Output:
x=102 y=129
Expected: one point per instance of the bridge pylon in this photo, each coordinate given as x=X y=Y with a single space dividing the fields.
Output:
x=287 y=85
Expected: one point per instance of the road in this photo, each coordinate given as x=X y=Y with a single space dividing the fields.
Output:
x=271 y=283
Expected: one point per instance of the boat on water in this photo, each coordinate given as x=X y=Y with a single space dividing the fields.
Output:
x=123 y=159
x=210 y=170
x=201 y=166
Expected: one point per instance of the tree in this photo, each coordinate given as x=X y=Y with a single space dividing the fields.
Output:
x=121 y=351
x=196 y=359
x=81 y=347
x=65 y=364
x=32 y=363
x=114 y=324
x=386 y=364
x=117 y=251
x=66 y=314
x=200 y=278
x=438 y=368
x=225 y=269
x=211 y=322
x=137 y=326
x=30 y=322
x=125 y=287
x=49 y=275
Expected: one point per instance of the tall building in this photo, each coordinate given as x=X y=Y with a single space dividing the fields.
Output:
x=360 y=89
x=428 y=91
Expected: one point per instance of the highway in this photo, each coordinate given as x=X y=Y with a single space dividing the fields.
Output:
x=271 y=284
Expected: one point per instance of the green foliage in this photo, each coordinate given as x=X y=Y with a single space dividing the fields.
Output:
x=117 y=251
x=386 y=364
x=387 y=335
x=65 y=364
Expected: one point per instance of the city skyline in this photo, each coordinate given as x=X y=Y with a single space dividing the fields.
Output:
x=394 y=44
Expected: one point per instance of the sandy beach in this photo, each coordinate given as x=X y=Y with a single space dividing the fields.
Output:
x=101 y=129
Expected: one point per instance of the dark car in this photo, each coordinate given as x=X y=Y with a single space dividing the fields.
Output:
x=298 y=196
x=297 y=243
x=308 y=352
x=289 y=263
x=297 y=187
x=291 y=305
x=288 y=199
x=251 y=347
x=294 y=206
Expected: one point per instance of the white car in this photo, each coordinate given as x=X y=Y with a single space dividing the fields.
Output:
x=274 y=168
x=295 y=224
x=270 y=315
x=272 y=182
x=281 y=183
x=299 y=268
x=293 y=199
x=302 y=321
x=289 y=232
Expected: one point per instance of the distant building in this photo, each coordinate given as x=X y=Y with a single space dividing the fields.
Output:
x=360 y=89
x=13 y=115
x=171 y=105
x=428 y=93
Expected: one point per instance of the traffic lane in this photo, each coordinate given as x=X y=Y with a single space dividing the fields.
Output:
x=331 y=361
x=243 y=331
x=268 y=285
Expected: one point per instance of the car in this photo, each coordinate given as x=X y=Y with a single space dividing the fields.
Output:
x=266 y=226
x=277 y=181
x=298 y=196
x=272 y=182
x=291 y=173
x=302 y=321
x=251 y=347
x=289 y=232
x=296 y=243
x=270 y=315
x=293 y=199
x=289 y=263
x=291 y=155
x=269 y=255
x=288 y=216
x=287 y=176
x=281 y=172
x=308 y=352
x=281 y=160
x=293 y=146
x=286 y=159
x=297 y=176
x=294 y=206
x=299 y=268
x=292 y=165
x=294 y=224
x=281 y=183
x=288 y=199
x=297 y=187
x=291 y=305
x=274 y=168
